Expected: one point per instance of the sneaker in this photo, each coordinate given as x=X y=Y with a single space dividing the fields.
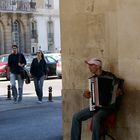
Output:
x=39 y=102
x=19 y=100
x=15 y=101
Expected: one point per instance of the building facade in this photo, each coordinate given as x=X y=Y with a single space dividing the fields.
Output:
x=48 y=25
x=15 y=25
x=31 y=24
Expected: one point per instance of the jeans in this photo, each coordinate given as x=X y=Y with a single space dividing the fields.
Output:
x=84 y=115
x=15 y=93
x=38 y=83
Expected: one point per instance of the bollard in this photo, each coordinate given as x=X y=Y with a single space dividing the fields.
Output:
x=9 y=92
x=50 y=94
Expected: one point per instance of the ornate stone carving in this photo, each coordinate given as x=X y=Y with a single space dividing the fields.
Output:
x=9 y=19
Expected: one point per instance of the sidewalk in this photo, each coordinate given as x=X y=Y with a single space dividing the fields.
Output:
x=28 y=101
x=29 y=96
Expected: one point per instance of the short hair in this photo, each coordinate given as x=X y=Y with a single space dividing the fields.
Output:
x=14 y=46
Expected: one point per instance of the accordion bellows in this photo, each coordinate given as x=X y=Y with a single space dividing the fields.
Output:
x=101 y=89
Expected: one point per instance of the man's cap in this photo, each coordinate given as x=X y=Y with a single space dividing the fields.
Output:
x=94 y=61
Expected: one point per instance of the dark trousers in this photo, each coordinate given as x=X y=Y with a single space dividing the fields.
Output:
x=85 y=114
x=38 y=82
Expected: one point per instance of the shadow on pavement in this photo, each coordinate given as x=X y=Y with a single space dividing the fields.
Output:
x=55 y=138
x=32 y=122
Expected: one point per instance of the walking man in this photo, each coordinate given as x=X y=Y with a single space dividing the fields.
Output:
x=16 y=61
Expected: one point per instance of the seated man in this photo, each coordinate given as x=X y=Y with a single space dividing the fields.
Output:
x=105 y=86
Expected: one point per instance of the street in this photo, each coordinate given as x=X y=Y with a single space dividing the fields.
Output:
x=35 y=123
x=29 y=120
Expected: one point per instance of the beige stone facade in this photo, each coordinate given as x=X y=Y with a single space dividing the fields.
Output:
x=31 y=24
x=15 y=25
x=109 y=30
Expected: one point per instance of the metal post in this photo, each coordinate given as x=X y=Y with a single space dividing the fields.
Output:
x=50 y=94
x=9 y=92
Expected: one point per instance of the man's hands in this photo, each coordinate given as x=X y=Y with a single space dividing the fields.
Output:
x=21 y=65
x=97 y=108
x=86 y=94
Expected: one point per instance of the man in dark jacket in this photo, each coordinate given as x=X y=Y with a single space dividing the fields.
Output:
x=104 y=84
x=16 y=61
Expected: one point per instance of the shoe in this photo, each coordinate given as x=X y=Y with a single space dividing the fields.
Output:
x=15 y=101
x=39 y=102
x=19 y=100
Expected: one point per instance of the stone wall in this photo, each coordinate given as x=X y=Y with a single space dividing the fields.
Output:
x=109 y=30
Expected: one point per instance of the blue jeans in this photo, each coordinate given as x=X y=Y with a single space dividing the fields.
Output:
x=84 y=115
x=38 y=83
x=15 y=93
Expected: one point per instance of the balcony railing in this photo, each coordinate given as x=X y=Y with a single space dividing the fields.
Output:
x=17 y=6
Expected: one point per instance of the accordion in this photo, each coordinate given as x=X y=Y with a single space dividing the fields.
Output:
x=101 y=89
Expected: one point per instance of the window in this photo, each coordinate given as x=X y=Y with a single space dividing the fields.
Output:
x=49 y=4
x=50 y=32
x=33 y=30
x=16 y=33
x=1 y=39
x=50 y=59
x=4 y=59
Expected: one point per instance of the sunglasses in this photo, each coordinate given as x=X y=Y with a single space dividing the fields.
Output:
x=14 y=48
